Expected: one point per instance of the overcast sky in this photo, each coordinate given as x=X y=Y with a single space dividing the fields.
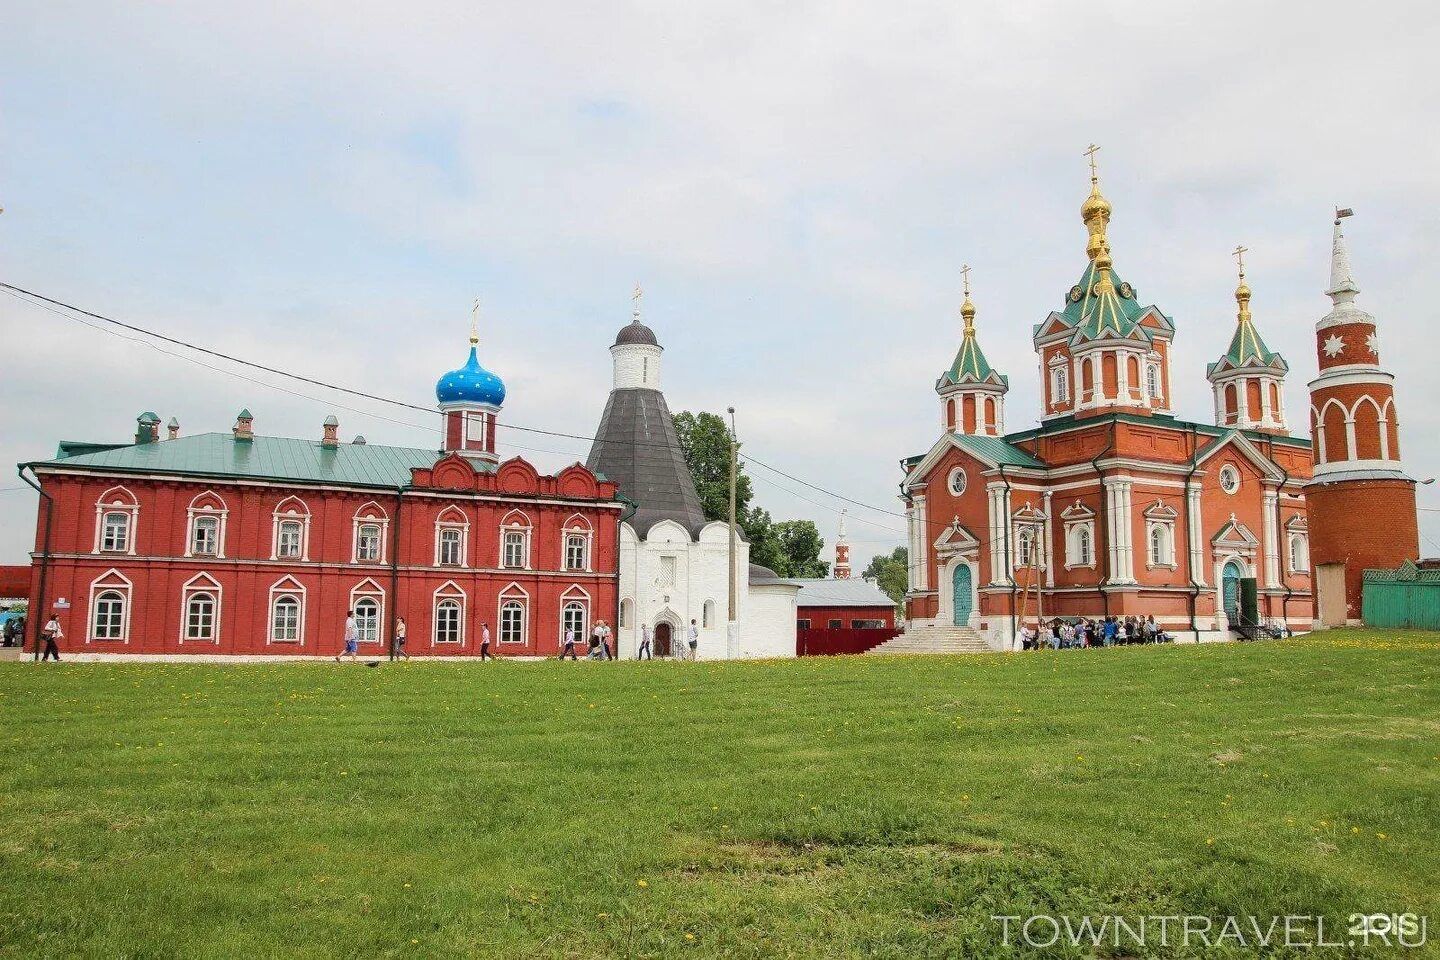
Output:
x=326 y=187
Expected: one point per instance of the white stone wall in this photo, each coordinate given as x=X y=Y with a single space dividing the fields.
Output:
x=636 y=365
x=700 y=574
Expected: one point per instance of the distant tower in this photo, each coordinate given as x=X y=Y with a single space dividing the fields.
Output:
x=842 y=552
x=972 y=393
x=1361 y=504
x=1249 y=381
x=470 y=399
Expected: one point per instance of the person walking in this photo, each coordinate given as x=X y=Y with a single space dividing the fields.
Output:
x=397 y=643
x=569 y=644
x=693 y=641
x=53 y=635
x=605 y=640
x=644 y=652
x=485 y=643
x=352 y=639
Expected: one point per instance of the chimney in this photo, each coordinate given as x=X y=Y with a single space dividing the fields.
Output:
x=332 y=429
x=243 y=429
x=173 y=428
x=147 y=428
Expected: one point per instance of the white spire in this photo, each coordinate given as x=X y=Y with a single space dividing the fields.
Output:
x=841 y=538
x=1342 y=280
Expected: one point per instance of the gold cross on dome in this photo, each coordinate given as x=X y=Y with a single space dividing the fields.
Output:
x=965 y=275
x=475 y=321
x=1239 y=254
x=636 y=297
x=1094 y=174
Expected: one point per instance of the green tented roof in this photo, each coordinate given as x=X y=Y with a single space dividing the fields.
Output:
x=264 y=458
x=997 y=450
x=1098 y=316
x=970 y=363
x=1248 y=349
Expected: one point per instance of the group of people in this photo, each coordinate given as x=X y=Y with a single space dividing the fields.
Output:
x=689 y=652
x=597 y=647
x=14 y=631
x=1061 y=634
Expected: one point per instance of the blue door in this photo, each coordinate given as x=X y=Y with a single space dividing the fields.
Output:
x=1230 y=590
x=963 y=602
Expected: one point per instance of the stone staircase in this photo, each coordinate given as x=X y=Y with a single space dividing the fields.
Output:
x=926 y=639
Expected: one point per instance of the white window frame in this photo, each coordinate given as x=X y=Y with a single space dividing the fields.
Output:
x=567 y=608
x=957 y=474
x=196 y=585
x=1154 y=383
x=1074 y=559
x=204 y=507
x=1231 y=471
x=1060 y=391
x=369 y=547
x=286 y=513
x=1034 y=533
x=1296 y=539
x=286 y=587
x=514 y=593
x=477 y=430
x=449 y=546
x=117 y=500
x=369 y=590
x=515 y=522
x=577 y=527
x=449 y=591
x=210 y=527
x=1165 y=530
x=115 y=531
x=370 y=515
x=452 y=518
x=102 y=586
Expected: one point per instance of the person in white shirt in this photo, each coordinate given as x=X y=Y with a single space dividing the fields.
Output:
x=644 y=652
x=485 y=643
x=694 y=640
x=352 y=639
x=569 y=645
x=53 y=634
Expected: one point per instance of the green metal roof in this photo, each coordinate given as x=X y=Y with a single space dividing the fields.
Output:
x=1248 y=349
x=997 y=450
x=1098 y=315
x=264 y=458
x=970 y=364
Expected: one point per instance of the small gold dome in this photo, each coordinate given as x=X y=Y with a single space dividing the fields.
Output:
x=1242 y=292
x=967 y=311
x=1094 y=206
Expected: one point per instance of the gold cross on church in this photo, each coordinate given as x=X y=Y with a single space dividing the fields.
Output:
x=475 y=321
x=1239 y=254
x=1094 y=175
x=965 y=275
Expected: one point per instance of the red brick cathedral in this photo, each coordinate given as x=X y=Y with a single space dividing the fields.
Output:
x=239 y=543
x=1113 y=506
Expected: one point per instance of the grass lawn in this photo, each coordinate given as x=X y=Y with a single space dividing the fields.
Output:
x=821 y=807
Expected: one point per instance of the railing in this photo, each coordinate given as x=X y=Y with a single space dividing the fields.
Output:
x=1269 y=628
x=824 y=642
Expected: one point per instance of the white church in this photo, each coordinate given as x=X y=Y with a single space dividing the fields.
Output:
x=673 y=562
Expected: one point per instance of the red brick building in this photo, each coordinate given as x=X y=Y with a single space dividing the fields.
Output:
x=1111 y=506
x=238 y=543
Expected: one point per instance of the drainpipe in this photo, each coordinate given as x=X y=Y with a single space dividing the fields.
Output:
x=1104 y=514
x=1279 y=534
x=38 y=617
x=1194 y=587
x=394 y=569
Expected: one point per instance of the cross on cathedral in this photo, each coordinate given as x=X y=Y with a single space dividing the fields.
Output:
x=1094 y=173
x=636 y=298
x=1239 y=255
x=965 y=278
x=475 y=321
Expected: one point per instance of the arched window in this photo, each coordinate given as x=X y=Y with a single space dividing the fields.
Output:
x=1082 y=546
x=447 y=621
x=1062 y=384
x=707 y=616
x=1157 y=546
x=572 y=617
x=115 y=533
x=512 y=622
x=289 y=539
x=109 y=619
x=448 y=552
x=200 y=616
x=1299 y=553
x=1160 y=542
x=205 y=536
x=367 y=542
x=367 y=620
x=1024 y=547
x=1152 y=380
x=285 y=619
x=575 y=551
x=514 y=549
x=625 y=614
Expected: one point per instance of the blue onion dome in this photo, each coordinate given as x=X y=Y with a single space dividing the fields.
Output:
x=472 y=383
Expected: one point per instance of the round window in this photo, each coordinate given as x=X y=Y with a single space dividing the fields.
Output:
x=957 y=481
x=1229 y=478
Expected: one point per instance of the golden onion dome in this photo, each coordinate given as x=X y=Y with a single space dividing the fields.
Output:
x=1095 y=206
x=1242 y=293
x=967 y=311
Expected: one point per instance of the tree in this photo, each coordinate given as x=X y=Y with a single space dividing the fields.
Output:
x=892 y=573
x=800 y=545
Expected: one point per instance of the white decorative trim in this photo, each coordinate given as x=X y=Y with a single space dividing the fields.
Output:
x=369 y=514
x=277 y=590
x=196 y=511
x=126 y=588
x=201 y=583
x=514 y=593
x=577 y=595
x=117 y=500
x=282 y=516
x=456 y=519
x=449 y=591
x=369 y=589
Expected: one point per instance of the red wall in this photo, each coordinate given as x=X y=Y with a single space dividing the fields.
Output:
x=820 y=617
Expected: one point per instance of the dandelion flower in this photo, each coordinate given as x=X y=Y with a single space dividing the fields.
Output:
x=689 y=936
x=642 y=883
x=1209 y=841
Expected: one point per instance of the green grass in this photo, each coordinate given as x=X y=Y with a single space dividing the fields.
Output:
x=821 y=807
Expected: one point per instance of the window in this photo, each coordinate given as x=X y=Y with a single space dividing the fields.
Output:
x=447 y=621
x=285 y=619
x=512 y=622
x=625 y=606
x=836 y=624
x=475 y=430
x=803 y=624
x=200 y=617
x=1062 y=385
x=1160 y=539
x=707 y=615
x=115 y=536
x=367 y=543
x=1299 y=553
x=1152 y=380
x=1082 y=546
x=1157 y=546
x=367 y=620
x=1230 y=479
x=1025 y=547
x=109 y=620
x=572 y=617
x=868 y=624
x=205 y=536
x=957 y=481
x=288 y=540
x=575 y=551
x=514 y=549
x=449 y=550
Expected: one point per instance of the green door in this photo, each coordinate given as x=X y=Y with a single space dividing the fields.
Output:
x=963 y=602
x=1231 y=591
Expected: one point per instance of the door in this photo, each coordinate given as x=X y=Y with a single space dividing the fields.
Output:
x=1231 y=591
x=962 y=591
x=1330 y=586
x=662 y=640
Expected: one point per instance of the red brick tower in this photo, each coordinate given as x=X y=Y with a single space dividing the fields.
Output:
x=842 y=552
x=1361 y=504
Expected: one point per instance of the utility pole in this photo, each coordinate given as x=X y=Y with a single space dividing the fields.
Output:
x=734 y=471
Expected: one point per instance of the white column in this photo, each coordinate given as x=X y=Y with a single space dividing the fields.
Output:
x=1219 y=391
x=1007 y=556
x=1267 y=416
x=1050 y=551
x=1126 y=524
x=1122 y=377
x=910 y=548
x=1349 y=438
x=922 y=566
x=1272 y=538
x=1196 y=535
x=997 y=537
x=1112 y=548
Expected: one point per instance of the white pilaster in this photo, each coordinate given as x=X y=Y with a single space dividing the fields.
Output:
x=1272 y=538
x=1050 y=552
x=1195 y=535
x=1126 y=523
x=923 y=563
